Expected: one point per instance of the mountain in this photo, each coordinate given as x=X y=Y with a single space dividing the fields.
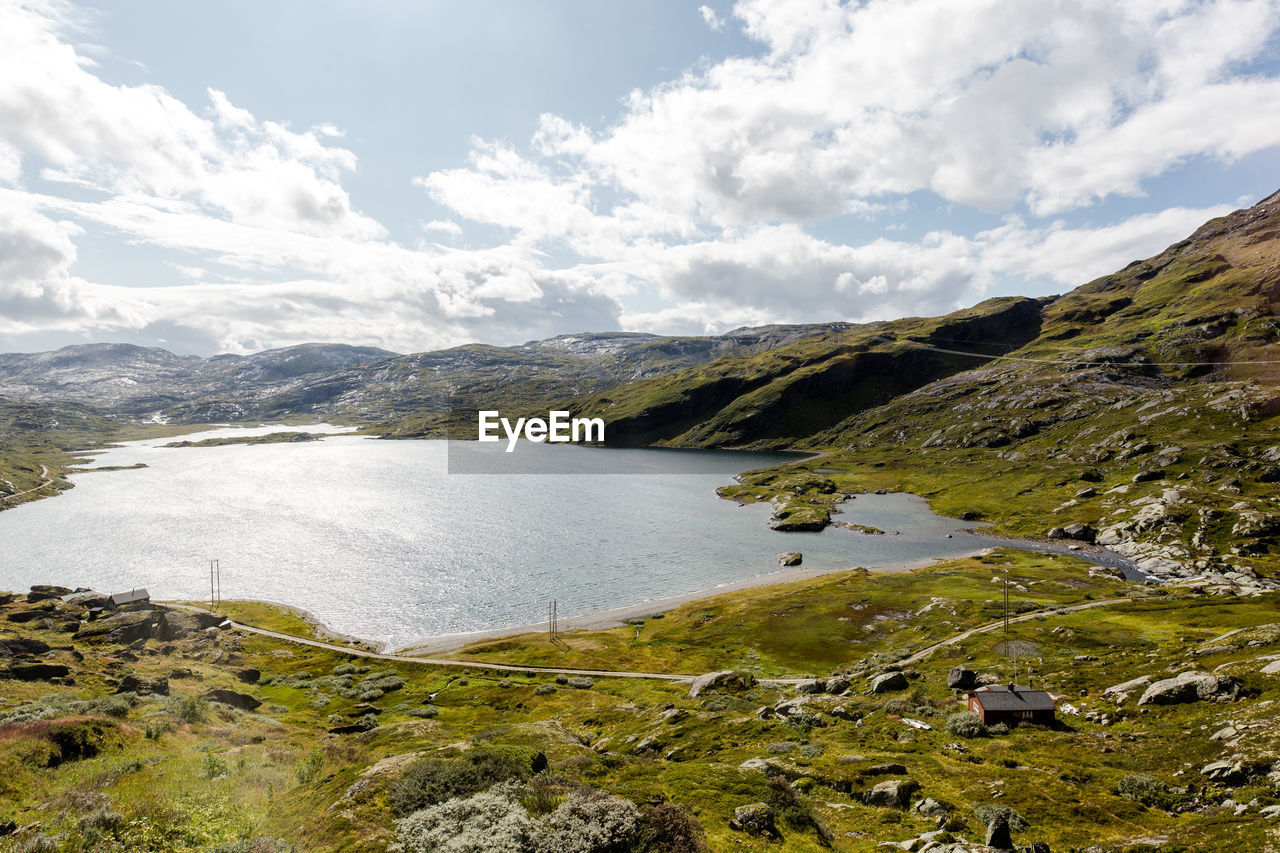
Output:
x=411 y=394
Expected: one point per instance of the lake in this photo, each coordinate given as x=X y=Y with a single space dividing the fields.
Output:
x=379 y=540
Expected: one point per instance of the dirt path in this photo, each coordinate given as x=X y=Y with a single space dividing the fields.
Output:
x=48 y=481
x=606 y=673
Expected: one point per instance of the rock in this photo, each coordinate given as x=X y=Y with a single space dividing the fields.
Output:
x=1080 y=532
x=894 y=794
x=962 y=678
x=175 y=624
x=1128 y=686
x=133 y=684
x=754 y=819
x=929 y=807
x=1190 y=686
x=45 y=592
x=791 y=558
x=837 y=685
x=1040 y=847
x=24 y=616
x=727 y=679
x=844 y=712
x=998 y=835
x=1147 y=475
x=889 y=681
x=1224 y=733
x=1086 y=493
x=89 y=599
x=891 y=769
x=121 y=628
x=236 y=700
x=17 y=646
x=249 y=675
x=1270 y=811
x=1272 y=668
x=811 y=686
x=36 y=671
x=674 y=715
x=1091 y=476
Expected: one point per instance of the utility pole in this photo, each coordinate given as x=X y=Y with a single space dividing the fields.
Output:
x=215 y=584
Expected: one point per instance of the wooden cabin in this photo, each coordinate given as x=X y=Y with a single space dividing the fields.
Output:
x=132 y=598
x=1010 y=704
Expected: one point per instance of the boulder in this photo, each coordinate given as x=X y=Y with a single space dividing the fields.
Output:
x=32 y=614
x=998 y=836
x=962 y=678
x=1128 y=686
x=811 y=686
x=36 y=671
x=892 y=794
x=1190 y=687
x=242 y=701
x=18 y=646
x=791 y=558
x=929 y=807
x=1147 y=475
x=1080 y=532
x=754 y=819
x=249 y=675
x=889 y=681
x=837 y=685
x=726 y=679
x=120 y=628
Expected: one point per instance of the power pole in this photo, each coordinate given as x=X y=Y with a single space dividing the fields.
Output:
x=215 y=584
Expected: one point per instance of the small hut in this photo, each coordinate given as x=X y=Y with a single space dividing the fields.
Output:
x=132 y=598
x=1010 y=703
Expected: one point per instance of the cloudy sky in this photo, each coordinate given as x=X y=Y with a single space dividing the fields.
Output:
x=234 y=176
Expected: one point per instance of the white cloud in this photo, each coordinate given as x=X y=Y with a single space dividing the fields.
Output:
x=703 y=195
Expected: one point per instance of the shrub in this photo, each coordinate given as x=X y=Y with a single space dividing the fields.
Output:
x=791 y=807
x=426 y=712
x=189 y=709
x=782 y=747
x=544 y=689
x=212 y=766
x=100 y=821
x=966 y=724
x=308 y=769
x=429 y=781
x=987 y=812
x=590 y=822
x=581 y=682
x=812 y=750
x=669 y=828
x=344 y=669
x=492 y=821
x=1145 y=789
x=999 y=729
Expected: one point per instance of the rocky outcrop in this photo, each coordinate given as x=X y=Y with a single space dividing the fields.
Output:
x=121 y=628
x=1190 y=686
x=19 y=646
x=46 y=592
x=790 y=558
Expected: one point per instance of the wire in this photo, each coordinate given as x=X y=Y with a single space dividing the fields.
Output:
x=888 y=340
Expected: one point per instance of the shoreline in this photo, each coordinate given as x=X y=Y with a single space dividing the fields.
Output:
x=616 y=617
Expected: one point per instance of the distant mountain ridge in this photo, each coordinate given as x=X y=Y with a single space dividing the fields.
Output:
x=364 y=384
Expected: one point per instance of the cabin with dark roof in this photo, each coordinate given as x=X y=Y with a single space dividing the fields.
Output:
x=1011 y=704
x=132 y=598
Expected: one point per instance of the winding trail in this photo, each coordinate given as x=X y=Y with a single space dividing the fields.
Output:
x=609 y=673
x=48 y=481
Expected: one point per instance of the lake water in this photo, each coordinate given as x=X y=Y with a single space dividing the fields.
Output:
x=378 y=540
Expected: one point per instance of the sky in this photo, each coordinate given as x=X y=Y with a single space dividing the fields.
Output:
x=239 y=176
